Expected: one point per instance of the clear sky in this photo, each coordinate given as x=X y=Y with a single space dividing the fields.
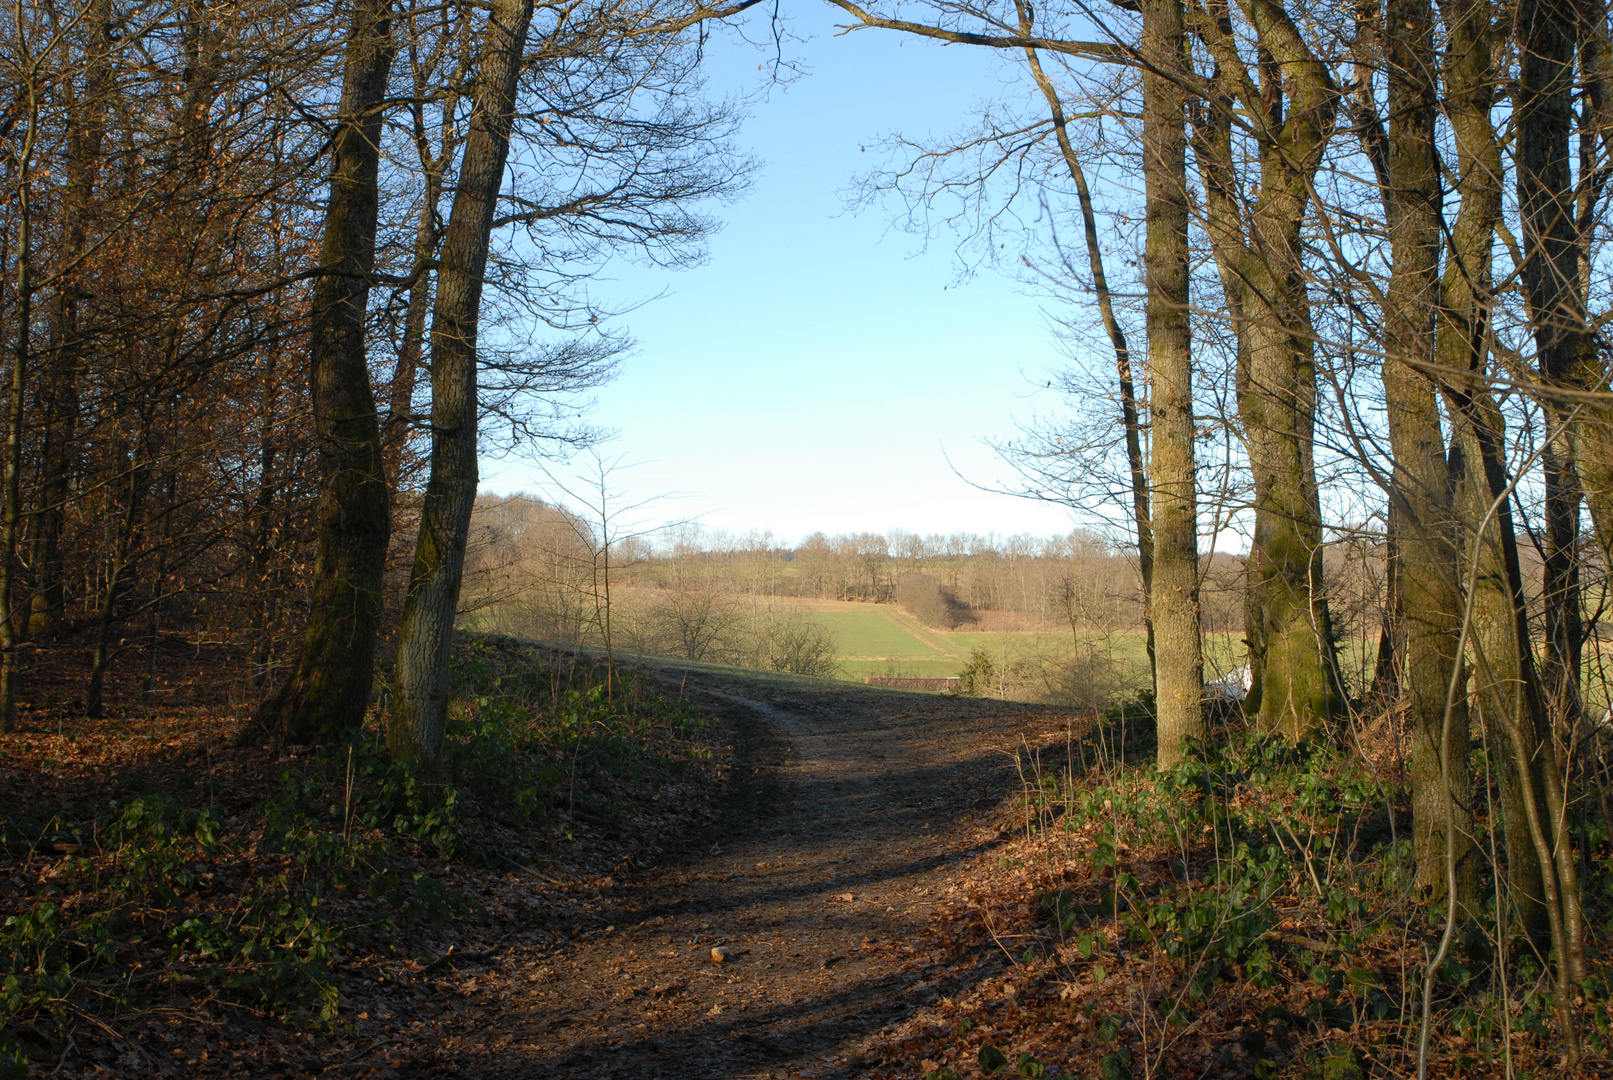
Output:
x=820 y=370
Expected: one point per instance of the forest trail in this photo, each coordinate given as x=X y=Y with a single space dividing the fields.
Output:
x=846 y=811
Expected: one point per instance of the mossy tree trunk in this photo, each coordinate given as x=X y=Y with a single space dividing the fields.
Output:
x=1421 y=511
x=1541 y=876
x=420 y=706
x=1290 y=628
x=328 y=691
x=1223 y=222
x=1298 y=674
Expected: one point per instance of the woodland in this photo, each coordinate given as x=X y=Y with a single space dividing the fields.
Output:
x=277 y=276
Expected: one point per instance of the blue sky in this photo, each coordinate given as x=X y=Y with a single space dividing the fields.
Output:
x=820 y=370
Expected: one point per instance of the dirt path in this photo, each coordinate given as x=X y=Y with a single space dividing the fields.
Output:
x=848 y=808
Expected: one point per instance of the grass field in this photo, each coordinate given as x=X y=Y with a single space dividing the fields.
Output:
x=857 y=669
x=881 y=639
x=865 y=631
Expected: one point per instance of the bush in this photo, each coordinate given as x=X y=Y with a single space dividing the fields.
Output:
x=1085 y=680
x=979 y=676
x=804 y=647
x=932 y=603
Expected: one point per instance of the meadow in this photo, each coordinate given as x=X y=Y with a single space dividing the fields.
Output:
x=882 y=639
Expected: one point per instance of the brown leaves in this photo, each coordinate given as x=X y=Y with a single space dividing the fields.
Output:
x=169 y=1004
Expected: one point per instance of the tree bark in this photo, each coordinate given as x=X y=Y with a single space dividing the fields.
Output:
x=1421 y=511
x=263 y=519
x=328 y=692
x=419 y=708
x=1174 y=592
x=1595 y=430
x=21 y=354
x=1550 y=276
x=1212 y=150
x=1540 y=869
x=1384 y=691
x=117 y=571
x=1290 y=629
x=400 y=394
x=1462 y=344
x=433 y=166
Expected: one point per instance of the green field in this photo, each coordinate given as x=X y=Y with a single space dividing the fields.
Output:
x=874 y=633
x=881 y=639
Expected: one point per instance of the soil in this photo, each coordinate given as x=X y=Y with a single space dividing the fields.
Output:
x=818 y=884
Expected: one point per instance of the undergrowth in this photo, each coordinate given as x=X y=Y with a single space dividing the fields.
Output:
x=174 y=884
x=1251 y=912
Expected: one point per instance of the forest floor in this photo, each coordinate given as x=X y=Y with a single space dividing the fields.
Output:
x=176 y=903
x=712 y=873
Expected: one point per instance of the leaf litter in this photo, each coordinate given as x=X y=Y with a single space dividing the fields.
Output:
x=897 y=886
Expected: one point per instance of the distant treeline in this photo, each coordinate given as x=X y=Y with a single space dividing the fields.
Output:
x=1053 y=581
x=537 y=568
x=540 y=571
x=533 y=569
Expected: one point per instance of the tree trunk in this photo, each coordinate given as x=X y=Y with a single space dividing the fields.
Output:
x=263 y=519
x=1291 y=639
x=117 y=578
x=1595 y=431
x=1540 y=869
x=1212 y=149
x=1551 y=279
x=419 y=708
x=1544 y=885
x=58 y=393
x=400 y=394
x=1174 y=595
x=1550 y=276
x=1462 y=343
x=11 y=468
x=1298 y=683
x=328 y=691
x=433 y=165
x=1387 y=667
x=1424 y=533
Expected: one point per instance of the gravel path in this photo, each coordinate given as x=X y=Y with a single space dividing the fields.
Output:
x=848 y=809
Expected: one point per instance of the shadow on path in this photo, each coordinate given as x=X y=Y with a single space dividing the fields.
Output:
x=847 y=811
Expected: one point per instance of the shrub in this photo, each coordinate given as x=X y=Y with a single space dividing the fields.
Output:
x=1085 y=679
x=979 y=676
x=804 y=647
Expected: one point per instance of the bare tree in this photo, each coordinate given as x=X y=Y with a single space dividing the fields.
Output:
x=419 y=707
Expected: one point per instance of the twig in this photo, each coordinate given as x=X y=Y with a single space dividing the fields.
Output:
x=66 y=1050
x=467 y=958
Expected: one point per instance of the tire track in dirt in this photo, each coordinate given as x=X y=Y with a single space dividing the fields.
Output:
x=847 y=810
